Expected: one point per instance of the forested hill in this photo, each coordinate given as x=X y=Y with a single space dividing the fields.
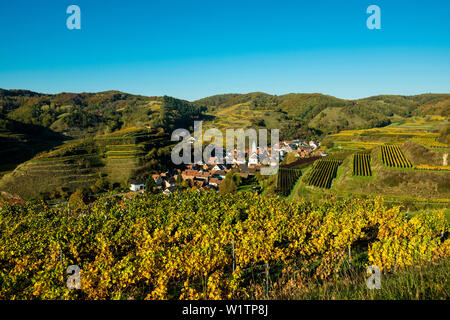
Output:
x=320 y=114
x=77 y=115
x=32 y=123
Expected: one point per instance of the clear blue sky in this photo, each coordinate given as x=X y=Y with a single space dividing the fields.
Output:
x=196 y=48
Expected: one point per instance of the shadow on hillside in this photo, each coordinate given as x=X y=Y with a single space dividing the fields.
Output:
x=24 y=141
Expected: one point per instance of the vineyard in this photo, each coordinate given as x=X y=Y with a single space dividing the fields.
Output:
x=392 y=156
x=286 y=180
x=205 y=246
x=430 y=142
x=323 y=173
x=361 y=164
x=431 y=167
x=300 y=162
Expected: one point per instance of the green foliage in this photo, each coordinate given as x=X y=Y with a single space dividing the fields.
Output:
x=329 y=144
x=444 y=135
x=93 y=113
x=176 y=113
x=290 y=158
x=228 y=186
x=76 y=199
x=150 y=185
x=237 y=179
x=179 y=180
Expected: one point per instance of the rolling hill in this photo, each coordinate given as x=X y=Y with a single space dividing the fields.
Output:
x=95 y=163
x=68 y=141
x=318 y=114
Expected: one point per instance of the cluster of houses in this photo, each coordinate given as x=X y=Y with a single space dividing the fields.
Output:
x=210 y=175
x=204 y=176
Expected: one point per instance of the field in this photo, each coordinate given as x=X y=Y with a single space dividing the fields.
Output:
x=418 y=129
x=185 y=247
x=361 y=164
x=323 y=173
x=418 y=177
x=430 y=142
x=428 y=167
x=392 y=156
x=286 y=180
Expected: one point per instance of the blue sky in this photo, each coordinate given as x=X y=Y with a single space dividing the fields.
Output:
x=192 y=49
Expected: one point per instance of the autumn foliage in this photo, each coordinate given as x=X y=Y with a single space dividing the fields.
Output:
x=201 y=245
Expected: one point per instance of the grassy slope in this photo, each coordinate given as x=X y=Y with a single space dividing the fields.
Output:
x=395 y=183
x=422 y=282
x=332 y=117
x=392 y=182
x=419 y=154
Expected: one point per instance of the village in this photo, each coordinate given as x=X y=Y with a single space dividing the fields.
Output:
x=210 y=175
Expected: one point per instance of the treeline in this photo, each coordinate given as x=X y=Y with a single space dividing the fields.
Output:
x=175 y=113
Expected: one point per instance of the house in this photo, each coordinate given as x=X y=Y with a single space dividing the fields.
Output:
x=158 y=180
x=168 y=183
x=313 y=144
x=220 y=173
x=206 y=166
x=219 y=167
x=229 y=158
x=239 y=160
x=243 y=175
x=253 y=158
x=212 y=160
x=170 y=190
x=215 y=181
x=137 y=185
x=190 y=174
x=204 y=175
x=199 y=182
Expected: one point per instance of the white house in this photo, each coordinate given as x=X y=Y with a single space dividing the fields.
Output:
x=253 y=154
x=253 y=158
x=218 y=167
x=137 y=185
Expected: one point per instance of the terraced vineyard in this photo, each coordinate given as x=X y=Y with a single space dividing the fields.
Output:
x=286 y=180
x=361 y=164
x=430 y=142
x=323 y=173
x=126 y=151
x=392 y=156
x=81 y=163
